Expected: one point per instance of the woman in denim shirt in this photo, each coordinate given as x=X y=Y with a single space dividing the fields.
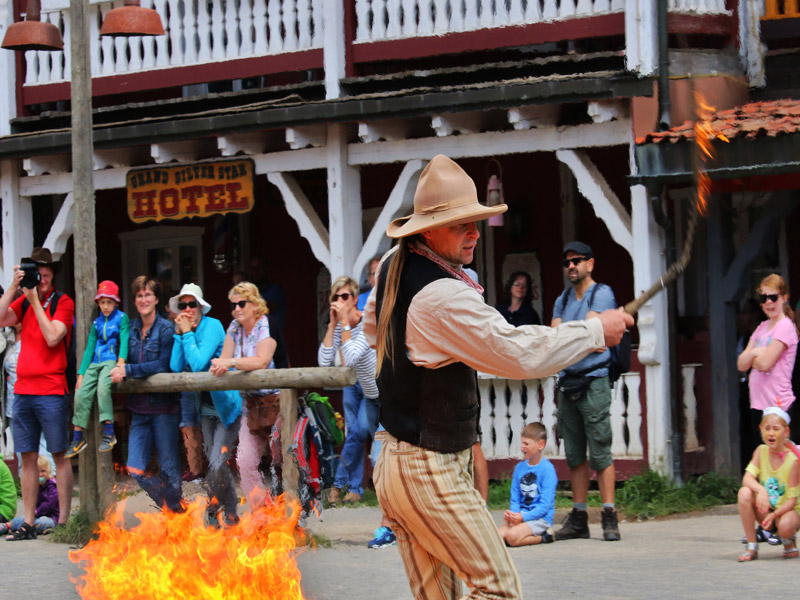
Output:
x=156 y=417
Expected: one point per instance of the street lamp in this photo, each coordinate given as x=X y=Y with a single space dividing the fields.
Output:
x=96 y=475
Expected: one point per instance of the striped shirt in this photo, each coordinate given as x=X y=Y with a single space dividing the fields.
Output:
x=355 y=353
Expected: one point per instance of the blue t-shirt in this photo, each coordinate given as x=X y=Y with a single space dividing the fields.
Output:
x=592 y=365
x=533 y=490
x=362 y=300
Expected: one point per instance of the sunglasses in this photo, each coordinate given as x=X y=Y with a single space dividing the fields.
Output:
x=762 y=298
x=190 y=304
x=576 y=261
x=344 y=296
x=240 y=304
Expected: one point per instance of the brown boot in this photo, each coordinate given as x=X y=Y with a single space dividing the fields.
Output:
x=334 y=496
x=352 y=498
x=610 y=525
x=576 y=526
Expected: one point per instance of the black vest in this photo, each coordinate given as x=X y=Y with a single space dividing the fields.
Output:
x=436 y=409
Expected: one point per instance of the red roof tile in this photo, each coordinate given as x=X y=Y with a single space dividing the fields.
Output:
x=757 y=119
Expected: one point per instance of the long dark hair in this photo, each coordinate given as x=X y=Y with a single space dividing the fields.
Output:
x=385 y=333
x=528 y=299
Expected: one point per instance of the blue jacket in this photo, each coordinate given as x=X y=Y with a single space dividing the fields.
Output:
x=148 y=357
x=194 y=350
x=106 y=338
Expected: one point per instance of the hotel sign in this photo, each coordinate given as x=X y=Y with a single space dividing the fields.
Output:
x=198 y=190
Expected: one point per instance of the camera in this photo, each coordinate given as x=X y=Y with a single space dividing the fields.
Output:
x=32 y=277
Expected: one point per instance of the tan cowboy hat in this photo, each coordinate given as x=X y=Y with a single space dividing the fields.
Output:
x=445 y=195
x=43 y=257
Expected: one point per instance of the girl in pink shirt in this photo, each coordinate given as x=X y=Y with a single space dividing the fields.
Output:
x=771 y=351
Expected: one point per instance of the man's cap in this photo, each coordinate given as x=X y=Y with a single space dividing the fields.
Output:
x=445 y=195
x=107 y=289
x=43 y=257
x=578 y=248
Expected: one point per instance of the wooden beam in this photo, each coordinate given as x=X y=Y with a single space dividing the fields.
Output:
x=62 y=228
x=288 y=423
x=307 y=219
x=597 y=191
x=302 y=377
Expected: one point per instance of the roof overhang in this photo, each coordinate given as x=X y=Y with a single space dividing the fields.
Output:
x=293 y=112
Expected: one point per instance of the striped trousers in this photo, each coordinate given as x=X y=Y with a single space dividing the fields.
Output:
x=444 y=531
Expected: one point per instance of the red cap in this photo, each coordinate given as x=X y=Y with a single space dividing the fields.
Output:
x=107 y=289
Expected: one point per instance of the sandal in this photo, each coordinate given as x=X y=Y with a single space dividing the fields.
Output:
x=790 y=551
x=25 y=532
x=748 y=556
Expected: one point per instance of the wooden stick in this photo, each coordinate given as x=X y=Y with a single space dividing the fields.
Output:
x=304 y=377
x=675 y=269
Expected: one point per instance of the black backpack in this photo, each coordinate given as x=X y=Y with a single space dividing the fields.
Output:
x=70 y=344
x=620 y=361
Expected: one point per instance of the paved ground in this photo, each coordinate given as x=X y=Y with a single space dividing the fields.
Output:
x=692 y=557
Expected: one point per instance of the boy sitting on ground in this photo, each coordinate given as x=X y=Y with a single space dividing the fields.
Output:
x=533 y=493
x=107 y=347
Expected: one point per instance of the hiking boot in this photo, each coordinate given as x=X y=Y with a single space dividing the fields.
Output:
x=575 y=526
x=548 y=537
x=383 y=537
x=352 y=498
x=107 y=442
x=76 y=448
x=334 y=496
x=610 y=526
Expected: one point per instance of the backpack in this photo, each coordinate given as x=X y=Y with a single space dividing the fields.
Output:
x=620 y=360
x=327 y=419
x=70 y=344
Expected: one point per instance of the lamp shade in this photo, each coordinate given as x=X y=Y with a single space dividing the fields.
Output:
x=32 y=34
x=132 y=19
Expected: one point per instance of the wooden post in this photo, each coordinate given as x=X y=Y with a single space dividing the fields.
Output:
x=96 y=473
x=288 y=422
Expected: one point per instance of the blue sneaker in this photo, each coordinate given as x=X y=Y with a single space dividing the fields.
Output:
x=383 y=537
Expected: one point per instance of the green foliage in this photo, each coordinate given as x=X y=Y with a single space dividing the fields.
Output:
x=651 y=494
x=499 y=494
x=78 y=531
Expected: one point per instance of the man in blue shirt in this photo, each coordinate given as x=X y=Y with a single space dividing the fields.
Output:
x=584 y=399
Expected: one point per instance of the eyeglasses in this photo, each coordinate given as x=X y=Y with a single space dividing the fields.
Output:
x=190 y=304
x=240 y=304
x=343 y=296
x=519 y=284
x=143 y=295
x=575 y=260
x=762 y=298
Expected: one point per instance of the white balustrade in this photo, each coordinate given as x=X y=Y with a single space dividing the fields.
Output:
x=507 y=405
x=197 y=33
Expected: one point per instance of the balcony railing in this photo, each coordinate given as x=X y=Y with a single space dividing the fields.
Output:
x=781 y=9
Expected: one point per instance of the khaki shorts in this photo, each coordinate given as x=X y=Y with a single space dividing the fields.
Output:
x=586 y=423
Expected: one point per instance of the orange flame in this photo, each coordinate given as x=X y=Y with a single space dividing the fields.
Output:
x=176 y=556
x=704 y=135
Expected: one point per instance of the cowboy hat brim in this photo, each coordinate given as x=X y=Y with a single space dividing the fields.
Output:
x=417 y=223
x=55 y=265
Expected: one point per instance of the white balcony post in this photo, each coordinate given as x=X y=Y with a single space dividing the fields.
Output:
x=641 y=41
x=8 y=72
x=333 y=46
x=751 y=50
x=344 y=205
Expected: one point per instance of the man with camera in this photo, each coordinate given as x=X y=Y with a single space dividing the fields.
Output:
x=584 y=399
x=42 y=401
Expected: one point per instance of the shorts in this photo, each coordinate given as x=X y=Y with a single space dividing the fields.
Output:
x=586 y=423
x=34 y=415
x=539 y=526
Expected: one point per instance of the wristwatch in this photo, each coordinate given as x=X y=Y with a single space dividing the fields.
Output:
x=346 y=327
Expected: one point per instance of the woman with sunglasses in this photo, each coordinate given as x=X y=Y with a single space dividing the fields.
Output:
x=771 y=352
x=249 y=346
x=198 y=339
x=517 y=304
x=361 y=411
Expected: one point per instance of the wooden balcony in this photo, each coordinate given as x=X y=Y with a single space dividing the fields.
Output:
x=227 y=40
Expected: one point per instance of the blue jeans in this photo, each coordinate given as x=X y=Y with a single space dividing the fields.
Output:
x=189 y=416
x=164 y=432
x=361 y=417
x=41 y=524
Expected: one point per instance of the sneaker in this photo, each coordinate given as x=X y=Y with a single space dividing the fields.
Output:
x=383 y=537
x=548 y=537
x=576 y=525
x=76 y=448
x=351 y=498
x=334 y=496
x=107 y=442
x=610 y=525
x=762 y=535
